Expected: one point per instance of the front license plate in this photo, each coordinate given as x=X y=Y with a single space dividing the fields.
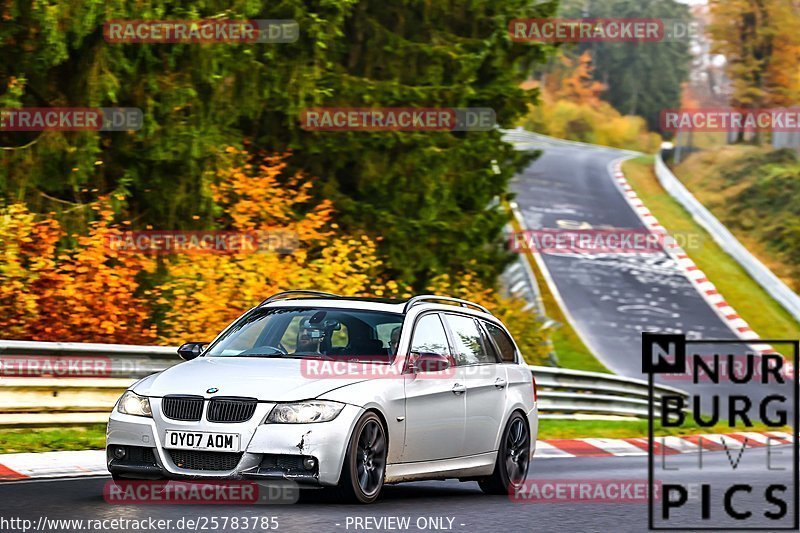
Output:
x=199 y=440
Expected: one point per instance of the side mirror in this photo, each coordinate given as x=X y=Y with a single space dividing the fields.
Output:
x=190 y=350
x=429 y=362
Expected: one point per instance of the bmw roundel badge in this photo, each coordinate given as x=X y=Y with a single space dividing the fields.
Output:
x=212 y=390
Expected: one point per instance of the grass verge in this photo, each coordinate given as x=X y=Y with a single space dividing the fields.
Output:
x=620 y=429
x=92 y=437
x=49 y=439
x=764 y=315
x=753 y=191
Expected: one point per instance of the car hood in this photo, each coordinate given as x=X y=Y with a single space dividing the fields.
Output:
x=265 y=379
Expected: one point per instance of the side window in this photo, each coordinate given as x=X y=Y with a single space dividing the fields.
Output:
x=384 y=333
x=491 y=349
x=469 y=346
x=429 y=336
x=340 y=338
x=503 y=342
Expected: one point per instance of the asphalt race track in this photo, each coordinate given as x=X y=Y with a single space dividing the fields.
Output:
x=470 y=510
x=611 y=300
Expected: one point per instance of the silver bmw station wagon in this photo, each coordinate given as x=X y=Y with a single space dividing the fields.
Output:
x=337 y=392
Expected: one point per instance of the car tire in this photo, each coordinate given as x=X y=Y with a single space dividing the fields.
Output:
x=364 y=465
x=513 y=458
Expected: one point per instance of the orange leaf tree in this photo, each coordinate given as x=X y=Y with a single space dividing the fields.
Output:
x=86 y=294
x=204 y=292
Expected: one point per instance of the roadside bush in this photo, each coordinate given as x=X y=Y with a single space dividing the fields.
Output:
x=85 y=294
x=571 y=108
x=596 y=123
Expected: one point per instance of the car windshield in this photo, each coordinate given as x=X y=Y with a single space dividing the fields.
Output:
x=312 y=332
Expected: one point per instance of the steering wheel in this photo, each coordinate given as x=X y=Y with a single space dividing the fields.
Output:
x=259 y=350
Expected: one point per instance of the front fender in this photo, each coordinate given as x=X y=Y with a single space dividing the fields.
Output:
x=385 y=396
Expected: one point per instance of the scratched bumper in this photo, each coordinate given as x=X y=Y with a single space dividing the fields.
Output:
x=326 y=442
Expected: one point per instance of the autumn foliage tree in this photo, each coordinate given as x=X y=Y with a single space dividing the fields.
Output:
x=522 y=323
x=572 y=108
x=26 y=255
x=86 y=294
x=760 y=40
x=573 y=80
x=60 y=287
x=205 y=292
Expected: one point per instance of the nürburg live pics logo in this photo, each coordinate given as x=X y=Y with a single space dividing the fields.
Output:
x=739 y=400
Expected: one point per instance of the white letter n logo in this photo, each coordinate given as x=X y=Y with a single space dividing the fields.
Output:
x=663 y=354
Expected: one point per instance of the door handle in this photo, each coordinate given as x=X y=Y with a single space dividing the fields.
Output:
x=458 y=388
x=500 y=383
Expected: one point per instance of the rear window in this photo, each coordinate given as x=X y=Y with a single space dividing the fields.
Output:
x=503 y=342
x=469 y=346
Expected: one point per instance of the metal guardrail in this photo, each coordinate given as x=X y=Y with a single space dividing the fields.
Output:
x=66 y=400
x=757 y=270
x=114 y=360
x=568 y=392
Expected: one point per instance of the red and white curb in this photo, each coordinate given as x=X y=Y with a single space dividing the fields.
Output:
x=705 y=287
x=16 y=466
x=21 y=466
x=560 y=448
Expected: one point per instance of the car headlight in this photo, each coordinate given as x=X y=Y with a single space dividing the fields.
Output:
x=132 y=404
x=304 y=412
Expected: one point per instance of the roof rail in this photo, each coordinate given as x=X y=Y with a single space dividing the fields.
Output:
x=288 y=295
x=422 y=298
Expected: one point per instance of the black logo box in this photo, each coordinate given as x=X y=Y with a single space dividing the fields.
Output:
x=662 y=366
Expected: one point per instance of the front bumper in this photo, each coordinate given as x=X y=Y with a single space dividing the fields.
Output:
x=269 y=451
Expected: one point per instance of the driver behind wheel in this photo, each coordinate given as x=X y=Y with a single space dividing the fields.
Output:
x=309 y=338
